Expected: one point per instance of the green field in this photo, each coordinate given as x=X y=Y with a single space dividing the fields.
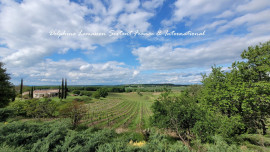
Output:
x=120 y=111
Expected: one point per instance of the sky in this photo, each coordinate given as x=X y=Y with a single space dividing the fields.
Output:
x=112 y=42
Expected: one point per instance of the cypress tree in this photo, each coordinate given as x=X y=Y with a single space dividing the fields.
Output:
x=21 y=88
x=14 y=94
x=65 y=88
x=32 y=92
x=63 y=91
x=59 y=92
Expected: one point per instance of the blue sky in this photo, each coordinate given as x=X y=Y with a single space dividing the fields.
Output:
x=31 y=51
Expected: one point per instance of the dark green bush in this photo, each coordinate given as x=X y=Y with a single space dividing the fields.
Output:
x=86 y=93
x=77 y=92
x=35 y=108
x=5 y=113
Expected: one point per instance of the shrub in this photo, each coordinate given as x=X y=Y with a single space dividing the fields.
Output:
x=102 y=92
x=86 y=93
x=77 y=92
x=221 y=145
x=75 y=111
x=5 y=113
x=19 y=107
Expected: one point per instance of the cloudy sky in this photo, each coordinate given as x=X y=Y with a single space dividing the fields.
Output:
x=126 y=41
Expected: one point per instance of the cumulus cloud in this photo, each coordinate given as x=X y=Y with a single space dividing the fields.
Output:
x=150 y=4
x=25 y=26
x=222 y=51
x=249 y=19
x=77 y=70
x=253 y=5
x=194 y=8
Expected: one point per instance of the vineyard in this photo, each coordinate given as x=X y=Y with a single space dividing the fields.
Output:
x=122 y=111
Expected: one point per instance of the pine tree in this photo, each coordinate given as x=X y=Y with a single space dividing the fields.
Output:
x=7 y=91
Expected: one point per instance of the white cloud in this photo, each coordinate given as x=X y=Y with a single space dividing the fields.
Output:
x=77 y=70
x=195 y=8
x=253 y=5
x=212 y=25
x=150 y=4
x=222 y=51
x=247 y=19
x=135 y=21
x=25 y=26
x=225 y=14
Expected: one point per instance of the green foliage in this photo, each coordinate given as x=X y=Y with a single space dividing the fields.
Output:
x=77 y=92
x=190 y=119
x=243 y=91
x=101 y=92
x=116 y=89
x=156 y=142
x=86 y=93
x=6 y=148
x=35 y=108
x=159 y=142
x=221 y=146
x=5 y=113
x=139 y=93
x=19 y=107
x=75 y=111
x=7 y=92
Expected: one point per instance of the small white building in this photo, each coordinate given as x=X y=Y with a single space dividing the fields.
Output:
x=45 y=93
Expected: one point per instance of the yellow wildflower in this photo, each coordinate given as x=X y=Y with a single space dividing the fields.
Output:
x=138 y=144
x=6 y=123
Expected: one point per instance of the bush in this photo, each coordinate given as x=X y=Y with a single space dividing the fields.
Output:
x=75 y=111
x=221 y=145
x=86 y=93
x=102 y=92
x=192 y=120
x=77 y=92
x=19 y=107
x=35 y=108
x=5 y=113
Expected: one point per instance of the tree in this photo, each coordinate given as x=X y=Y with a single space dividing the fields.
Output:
x=75 y=111
x=243 y=91
x=32 y=92
x=59 y=92
x=101 y=92
x=183 y=115
x=63 y=91
x=21 y=88
x=77 y=92
x=7 y=93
